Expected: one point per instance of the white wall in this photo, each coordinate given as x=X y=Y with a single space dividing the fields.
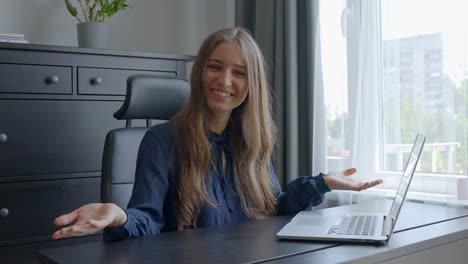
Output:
x=166 y=26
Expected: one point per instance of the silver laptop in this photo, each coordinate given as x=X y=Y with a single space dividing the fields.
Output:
x=358 y=227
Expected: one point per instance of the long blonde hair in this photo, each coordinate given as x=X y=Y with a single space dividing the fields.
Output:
x=252 y=132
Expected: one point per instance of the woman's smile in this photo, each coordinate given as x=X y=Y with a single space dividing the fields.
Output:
x=221 y=94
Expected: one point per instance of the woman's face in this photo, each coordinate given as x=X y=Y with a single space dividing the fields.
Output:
x=225 y=80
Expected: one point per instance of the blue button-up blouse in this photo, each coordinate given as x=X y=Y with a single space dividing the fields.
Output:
x=151 y=209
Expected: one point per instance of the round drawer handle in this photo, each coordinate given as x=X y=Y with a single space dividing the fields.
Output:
x=3 y=138
x=96 y=81
x=4 y=212
x=52 y=79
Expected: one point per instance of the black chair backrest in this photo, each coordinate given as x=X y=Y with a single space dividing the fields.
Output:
x=148 y=97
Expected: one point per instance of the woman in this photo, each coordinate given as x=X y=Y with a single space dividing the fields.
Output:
x=210 y=164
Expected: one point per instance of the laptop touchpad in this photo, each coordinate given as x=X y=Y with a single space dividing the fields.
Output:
x=313 y=221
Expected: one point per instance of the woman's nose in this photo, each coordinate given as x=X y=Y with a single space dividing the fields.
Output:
x=227 y=79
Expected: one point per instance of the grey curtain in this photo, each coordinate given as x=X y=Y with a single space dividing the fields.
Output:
x=285 y=31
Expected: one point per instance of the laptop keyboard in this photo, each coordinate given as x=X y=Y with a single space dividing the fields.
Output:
x=363 y=225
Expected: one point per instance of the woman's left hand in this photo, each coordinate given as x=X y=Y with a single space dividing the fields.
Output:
x=343 y=181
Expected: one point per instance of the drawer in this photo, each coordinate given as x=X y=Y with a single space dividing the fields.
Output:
x=33 y=206
x=18 y=78
x=97 y=81
x=48 y=136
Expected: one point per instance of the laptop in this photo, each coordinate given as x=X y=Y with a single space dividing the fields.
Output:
x=354 y=227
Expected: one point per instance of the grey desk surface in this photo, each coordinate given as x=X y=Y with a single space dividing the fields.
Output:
x=255 y=241
x=401 y=244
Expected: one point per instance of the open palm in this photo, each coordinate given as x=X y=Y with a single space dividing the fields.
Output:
x=89 y=219
x=344 y=181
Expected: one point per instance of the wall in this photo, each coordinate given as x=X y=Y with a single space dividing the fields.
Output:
x=166 y=26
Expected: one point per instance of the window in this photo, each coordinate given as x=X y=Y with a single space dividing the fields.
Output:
x=382 y=66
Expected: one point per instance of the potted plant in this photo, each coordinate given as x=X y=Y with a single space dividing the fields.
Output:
x=91 y=27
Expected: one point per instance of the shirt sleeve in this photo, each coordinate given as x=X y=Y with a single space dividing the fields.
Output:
x=145 y=209
x=300 y=194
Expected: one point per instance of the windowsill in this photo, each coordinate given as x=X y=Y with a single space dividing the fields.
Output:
x=434 y=188
x=423 y=175
x=419 y=197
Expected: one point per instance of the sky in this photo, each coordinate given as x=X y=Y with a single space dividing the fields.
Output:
x=404 y=18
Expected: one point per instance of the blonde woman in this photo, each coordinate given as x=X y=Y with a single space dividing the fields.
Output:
x=210 y=164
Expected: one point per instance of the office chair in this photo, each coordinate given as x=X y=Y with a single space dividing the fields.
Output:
x=148 y=97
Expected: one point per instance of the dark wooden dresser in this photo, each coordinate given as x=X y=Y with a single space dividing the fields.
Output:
x=56 y=106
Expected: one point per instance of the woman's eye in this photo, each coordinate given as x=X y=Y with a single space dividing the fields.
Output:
x=214 y=67
x=239 y=73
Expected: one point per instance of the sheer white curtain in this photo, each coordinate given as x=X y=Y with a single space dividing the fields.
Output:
x=351 y=60
x=319 y=140
x=364 y=93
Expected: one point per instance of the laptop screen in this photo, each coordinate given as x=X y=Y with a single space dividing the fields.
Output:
x=407 y=176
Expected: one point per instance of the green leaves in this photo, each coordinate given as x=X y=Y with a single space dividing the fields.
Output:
x=71 y=9
x=116 y=6
x=96 y=10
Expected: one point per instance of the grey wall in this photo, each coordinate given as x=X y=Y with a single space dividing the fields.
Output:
x=167 y=26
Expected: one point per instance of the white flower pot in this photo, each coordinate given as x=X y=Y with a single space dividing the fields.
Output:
x=92 y=35
x=462 y=189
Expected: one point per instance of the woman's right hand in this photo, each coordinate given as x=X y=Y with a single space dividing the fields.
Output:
x=89 y=219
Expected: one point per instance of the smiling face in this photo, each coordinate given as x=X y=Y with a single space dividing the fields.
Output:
x=225 y=80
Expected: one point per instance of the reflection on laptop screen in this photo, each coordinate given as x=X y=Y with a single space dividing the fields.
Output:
x=407 y=175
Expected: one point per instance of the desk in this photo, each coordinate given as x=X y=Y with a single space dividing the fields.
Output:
x=255 y=241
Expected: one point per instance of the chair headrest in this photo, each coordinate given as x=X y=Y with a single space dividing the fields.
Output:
x=153 y=97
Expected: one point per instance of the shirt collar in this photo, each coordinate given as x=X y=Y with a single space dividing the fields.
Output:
x=222 y=140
